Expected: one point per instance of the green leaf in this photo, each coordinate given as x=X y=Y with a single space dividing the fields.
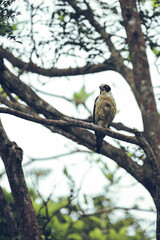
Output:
x=96 y=219
x=79 y=225
x=106 y=167
x=81 y=96
x=155 y=51
x=41 y=172
x=14 y=27
x=123 y=231
x=85 y=198
x=65 y=172
x=55 y=206
x=114 y=10
x=61 y=17
x=74 y=236
x=129 y=154
x=97 y=234
x=109 y=176
x=16 y=98
x=155 y=3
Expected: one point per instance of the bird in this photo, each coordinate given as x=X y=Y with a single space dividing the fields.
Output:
x=104 y=112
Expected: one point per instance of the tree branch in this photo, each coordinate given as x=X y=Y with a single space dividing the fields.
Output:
x=88 y=14
x=108 y=210
x=10 y=220
x=121 y=127
x=65 y=121
x=31 y=160
x=55 y=72
x=12 y=156
x=16 y=105
x=116 y=59
x=141 y=74
x=79 y=135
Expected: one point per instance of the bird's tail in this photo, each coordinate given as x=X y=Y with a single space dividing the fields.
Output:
x=99 y=139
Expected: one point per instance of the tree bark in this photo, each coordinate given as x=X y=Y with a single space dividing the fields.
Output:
x=10 y=220
x=141 y=74
x=12 y=157
x=144 y=91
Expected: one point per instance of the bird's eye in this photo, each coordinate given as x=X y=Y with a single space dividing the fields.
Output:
x=107 y=88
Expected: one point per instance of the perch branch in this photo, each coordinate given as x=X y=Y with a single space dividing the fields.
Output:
x=65 y=121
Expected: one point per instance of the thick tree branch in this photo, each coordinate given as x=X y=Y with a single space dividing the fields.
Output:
x=16 y=105
x=10 y=220
x=25 y=93
x=55 y=72
x=138 y=140
x=121 y=127
x=144 y=89
x=71 y=122
x=79 y=135
x=114 y=63
x=12 y=155
x=141 y=74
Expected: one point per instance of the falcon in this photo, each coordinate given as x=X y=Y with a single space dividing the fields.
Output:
x=103 y=113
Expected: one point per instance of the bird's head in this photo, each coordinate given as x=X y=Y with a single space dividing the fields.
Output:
x=104 y=88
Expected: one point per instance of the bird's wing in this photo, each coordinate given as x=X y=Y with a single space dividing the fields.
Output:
x=94 y=110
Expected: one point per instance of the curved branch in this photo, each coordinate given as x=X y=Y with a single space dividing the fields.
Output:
x=16 y=105
x=116 y=59
x=121 y=127
x=31 y=160
x=65 y=121
x=108 y=210
x=26 y=94
x=55 y=72
x=88 y=14
x=114 y=63
x=77 y=134
x=67 y=127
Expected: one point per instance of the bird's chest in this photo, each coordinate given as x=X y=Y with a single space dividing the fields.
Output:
x=104 y=102
x=105 y=109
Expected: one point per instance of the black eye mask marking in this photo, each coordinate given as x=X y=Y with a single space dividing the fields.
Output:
x=107 y=88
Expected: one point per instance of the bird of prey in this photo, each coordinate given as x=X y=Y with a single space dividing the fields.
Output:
x=103 y=113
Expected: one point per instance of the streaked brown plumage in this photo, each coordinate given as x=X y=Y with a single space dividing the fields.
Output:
x=103 y=113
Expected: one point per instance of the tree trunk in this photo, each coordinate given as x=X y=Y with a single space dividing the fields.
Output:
x=144 y=92
x=12 y=157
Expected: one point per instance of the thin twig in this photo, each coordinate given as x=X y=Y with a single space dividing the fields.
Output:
x=108 y=210
x=53 y=157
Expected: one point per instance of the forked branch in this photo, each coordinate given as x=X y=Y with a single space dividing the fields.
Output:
x=65 y=121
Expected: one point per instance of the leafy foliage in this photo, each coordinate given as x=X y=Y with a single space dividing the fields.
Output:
x=81 y=96
x=76 y=37
x=7 y=16
x=65 y=218
x=62 y=220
